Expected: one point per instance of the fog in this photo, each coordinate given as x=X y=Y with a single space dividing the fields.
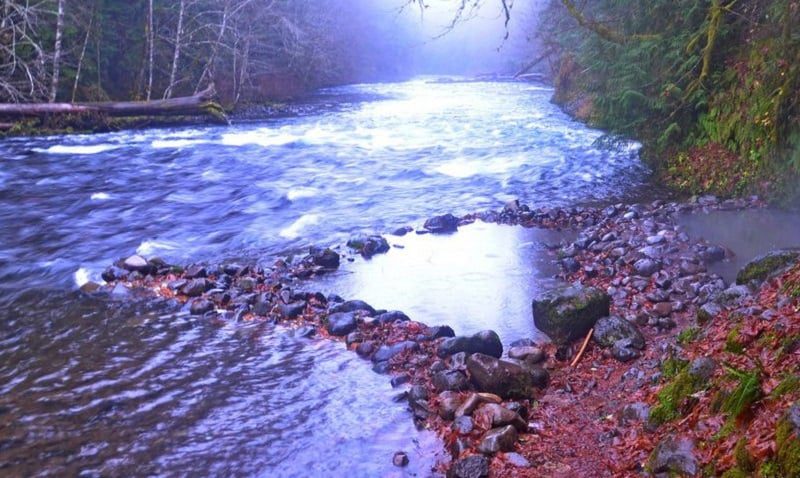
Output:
x=479 y=43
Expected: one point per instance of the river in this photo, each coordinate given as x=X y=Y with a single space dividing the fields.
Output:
x=95 y=387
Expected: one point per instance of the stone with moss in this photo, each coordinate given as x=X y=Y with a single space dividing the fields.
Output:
x=787 y=443
x=673 y=396
x=567 y=314
x=766 y=266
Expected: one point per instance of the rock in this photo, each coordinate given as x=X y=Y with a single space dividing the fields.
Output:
x=674 y=456
x=114 y=273
x=452 y=380
x=325 y=258
x=136 y=263
x=353 y=338
x=293 y=310
x=449 y=403
x=469 y=405
x=702 y=369
x=486 y=342
x=474 y=466
x=341 y=323
x=201 y=306
x=623 y=351
x=365 y=349
x=662 y=309
x=402 y=231
x=498 y=439
x=196 y=287
x=120 y=290
x=527 y=353
x=570 y=265
x=463 y=425
x=646 y=267
x=506 y=379
x=707 y=312
x=635 y=412
x=392 y=316
x=713 y=254
x=368 y=246
x=354 y=306
x=523 y=343
x=442 y=224
x=401 y=379
x=567 y=314
x=499 y=416
x=608 y=330
x=516 y=460
x=305 y=332
x=400 y=459
x=195 y=272
x=387 y=352
x=539 y=375
x=90 y=287
x=766 y=266
x=439 y=331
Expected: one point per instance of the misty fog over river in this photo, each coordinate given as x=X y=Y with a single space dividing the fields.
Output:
x=87 y=385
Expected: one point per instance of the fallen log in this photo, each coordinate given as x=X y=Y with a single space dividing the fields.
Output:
x=200 y=104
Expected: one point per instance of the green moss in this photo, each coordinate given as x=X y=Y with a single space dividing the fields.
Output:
x=769 y=469
x=789 y=384
x=672 y=367
x=727 y=429
x=688 y=335
x=736 y=473
x=744 y=461
x=746 y=393
x=787 y=444
x=672 y=397
x=760 y=269
x=732 y=343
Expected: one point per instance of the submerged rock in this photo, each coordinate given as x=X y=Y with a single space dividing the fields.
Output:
x=768 y=265
x=353 y=306
x=325 y=258
x=485 y=342
x=567 y=314
x=506 y=379
x=368 y=246
x=442 y=224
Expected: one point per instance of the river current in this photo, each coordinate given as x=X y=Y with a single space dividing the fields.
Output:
x=104 y=388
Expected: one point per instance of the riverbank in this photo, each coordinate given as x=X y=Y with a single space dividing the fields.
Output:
x=528 y=412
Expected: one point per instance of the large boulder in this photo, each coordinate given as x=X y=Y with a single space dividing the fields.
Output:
x=768 y=265
x=568 y=313
x=609 y=330
x=484 y=342
x=341 y=323
x=442 y=224
x=506 y=379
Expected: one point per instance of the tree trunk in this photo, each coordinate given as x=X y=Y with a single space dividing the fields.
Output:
x=83 y=55
x=150 y=48
x=57 y=51
x=177 y=55
x=199 y=104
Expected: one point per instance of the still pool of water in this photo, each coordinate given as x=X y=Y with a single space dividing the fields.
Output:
x=104 y=388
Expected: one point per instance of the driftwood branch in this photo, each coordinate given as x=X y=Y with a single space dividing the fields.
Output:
x=200 y=104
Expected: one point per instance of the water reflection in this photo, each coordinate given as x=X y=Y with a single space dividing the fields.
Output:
x=482 y=277
x=748 y=234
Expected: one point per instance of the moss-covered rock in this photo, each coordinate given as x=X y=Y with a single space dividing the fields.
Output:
x=766 y=266
x=567 y=314
x=787 y=442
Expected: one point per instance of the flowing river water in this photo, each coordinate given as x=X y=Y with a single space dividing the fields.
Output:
x=97 y=387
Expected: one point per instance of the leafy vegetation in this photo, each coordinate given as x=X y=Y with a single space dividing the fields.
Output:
x=711 y=87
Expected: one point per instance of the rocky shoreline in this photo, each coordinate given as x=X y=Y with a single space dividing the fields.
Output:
x=618 y=406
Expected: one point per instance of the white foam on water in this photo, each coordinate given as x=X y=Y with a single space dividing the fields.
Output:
x=300 y=193
x=462 y=168
x=261 y=137
x=100 y=196
x=148 y=248
x=82 y=277
x=176 y=143
x=294 y=230
x=211 y=175
x=77 y=149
